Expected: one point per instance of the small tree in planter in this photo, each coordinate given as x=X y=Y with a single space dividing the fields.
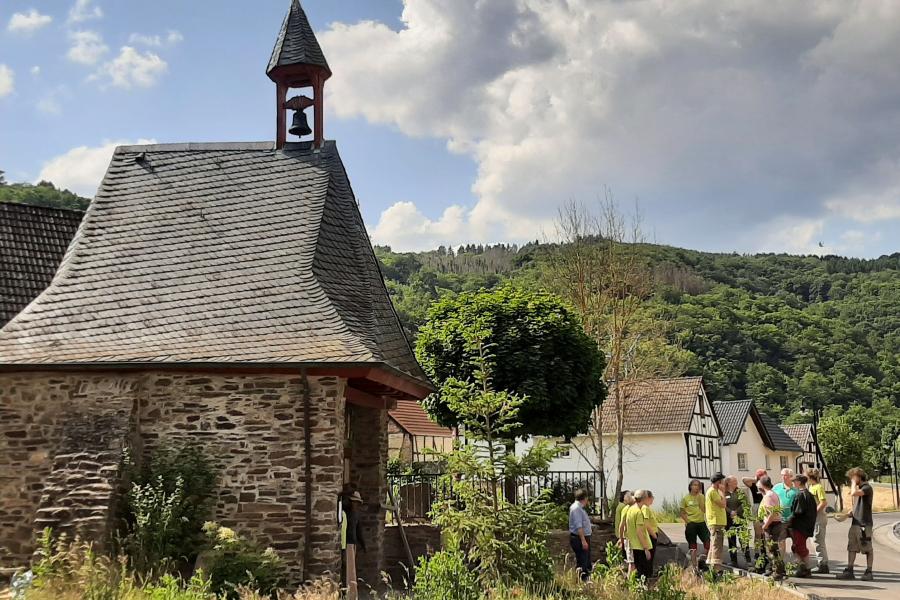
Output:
x=498 y=539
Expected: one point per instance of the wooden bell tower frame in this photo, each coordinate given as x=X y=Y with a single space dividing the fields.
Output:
x=299 y=76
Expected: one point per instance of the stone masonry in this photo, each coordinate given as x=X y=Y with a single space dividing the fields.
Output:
x=62 y=439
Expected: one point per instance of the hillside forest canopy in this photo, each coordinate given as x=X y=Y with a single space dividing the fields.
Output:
x=792 y=333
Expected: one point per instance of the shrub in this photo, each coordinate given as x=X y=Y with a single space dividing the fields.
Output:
x=74 y=571
x=446 y=576
x=234 y=563
x=169 y=500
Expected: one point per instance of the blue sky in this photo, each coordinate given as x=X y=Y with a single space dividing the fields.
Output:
x=738 y=126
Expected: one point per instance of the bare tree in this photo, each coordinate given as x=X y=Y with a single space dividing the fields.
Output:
x=599 y=266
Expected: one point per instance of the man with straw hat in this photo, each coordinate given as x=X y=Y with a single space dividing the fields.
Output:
x=351 y=537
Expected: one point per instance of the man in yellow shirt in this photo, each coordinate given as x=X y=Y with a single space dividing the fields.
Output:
x=716 y=519
x=818 y=492
x=638 y=536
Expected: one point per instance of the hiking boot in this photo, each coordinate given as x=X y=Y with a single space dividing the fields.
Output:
x=867 y=576
x=846 y=574
x=823 y=570
x=778 y=576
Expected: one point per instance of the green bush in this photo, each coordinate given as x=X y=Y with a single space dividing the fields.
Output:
x=233 y=562
x=446 y=576
x=169 y=500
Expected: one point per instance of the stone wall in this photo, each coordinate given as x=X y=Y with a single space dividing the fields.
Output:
x=254 y=428
x=62 y=439
x=368 y=459
x=424 y=539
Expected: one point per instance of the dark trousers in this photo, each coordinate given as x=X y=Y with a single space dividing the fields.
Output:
x=582 y=556
x=642 y=564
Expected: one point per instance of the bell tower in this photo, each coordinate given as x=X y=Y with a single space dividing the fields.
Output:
x=298 y=62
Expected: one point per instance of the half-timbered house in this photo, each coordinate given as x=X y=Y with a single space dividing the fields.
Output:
x=671 y=435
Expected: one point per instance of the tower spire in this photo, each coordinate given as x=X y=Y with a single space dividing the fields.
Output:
x=297 y=61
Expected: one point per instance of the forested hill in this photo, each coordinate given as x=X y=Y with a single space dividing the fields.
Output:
x=776 y=328
x=42 y=194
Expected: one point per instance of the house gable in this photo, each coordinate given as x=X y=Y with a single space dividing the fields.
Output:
x=702 y=439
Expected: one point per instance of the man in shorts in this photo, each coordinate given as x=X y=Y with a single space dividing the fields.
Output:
x=859 y=538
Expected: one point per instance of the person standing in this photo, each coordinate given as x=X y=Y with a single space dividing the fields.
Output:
x=786 y=493
x=580 y=533
x=802 y=524
x=693 y=514
x=859 y=538
x=351 y=537
x=735 y=507
x=818 y=491
x=756 y=497
x=627 y=501
x=716 y=519
x=773 y=528
x=651 y=523
x=638 y=536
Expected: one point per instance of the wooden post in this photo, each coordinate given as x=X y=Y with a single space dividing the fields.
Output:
x=396 y=508
x=280 y=118
x=319 y=88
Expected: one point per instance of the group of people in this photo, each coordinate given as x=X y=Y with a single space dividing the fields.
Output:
x=758 y=519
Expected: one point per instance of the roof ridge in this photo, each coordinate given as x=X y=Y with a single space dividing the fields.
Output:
x=38 y=207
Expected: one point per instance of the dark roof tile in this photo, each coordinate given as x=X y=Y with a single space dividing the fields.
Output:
x=296 y=43
x=33 y=240
x=732 y=415
x=217 y=253
x=655 y=405
x=780 y=439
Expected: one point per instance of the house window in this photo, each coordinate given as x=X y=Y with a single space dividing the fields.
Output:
x=742 y=461
x=768 y=465
x=784 y=463
x=702 y=408
x=699 y=448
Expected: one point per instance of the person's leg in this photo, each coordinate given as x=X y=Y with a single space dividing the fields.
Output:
x=703 y=534
x=352 y=588
x=853 y=546
x=869 y=551
x=731 y=534
x=588 y=564
x=821 y=555
x=575 y=542
x=690 y=535
x=652 y=555
x=717 y=541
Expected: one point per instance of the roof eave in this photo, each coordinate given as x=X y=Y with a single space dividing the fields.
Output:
x=377 y=372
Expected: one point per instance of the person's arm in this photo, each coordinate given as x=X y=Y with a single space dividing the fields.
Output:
x=856 y=490
x=643 y=533
x=720 y=502
x=581 y=529
x=748 y=481
x=683 y=512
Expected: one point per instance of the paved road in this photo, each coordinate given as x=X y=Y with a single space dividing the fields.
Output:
x=887 y=563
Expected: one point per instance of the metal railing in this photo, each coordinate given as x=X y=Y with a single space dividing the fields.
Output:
x=415 y=494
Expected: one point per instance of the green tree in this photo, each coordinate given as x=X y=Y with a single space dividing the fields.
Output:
x=503 y=541
x=538 y=351
x=842 y=447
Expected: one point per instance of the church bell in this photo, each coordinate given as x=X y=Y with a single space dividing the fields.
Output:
x=299 y=126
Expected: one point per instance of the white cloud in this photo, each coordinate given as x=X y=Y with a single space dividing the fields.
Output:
x=51 y=103
x=84 y=10
x=131 y=68
x=872 y=196
x=28 y=22
x=171 y=38
x=81 y=169
x=710 y=112
x=406 y=229
x=795 y=235
x=87 y=47
x=35 y=70
x=7 y=80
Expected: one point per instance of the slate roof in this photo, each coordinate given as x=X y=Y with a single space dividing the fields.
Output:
x=655 y=406
x=732 y=416
x=799 y=433
x=296 y=43
x=779 y=438
x=217 y=254
x=413 y=419
x=33 y=240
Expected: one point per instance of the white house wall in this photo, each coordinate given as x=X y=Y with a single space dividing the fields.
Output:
x=751 y=443
x=657 y=462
